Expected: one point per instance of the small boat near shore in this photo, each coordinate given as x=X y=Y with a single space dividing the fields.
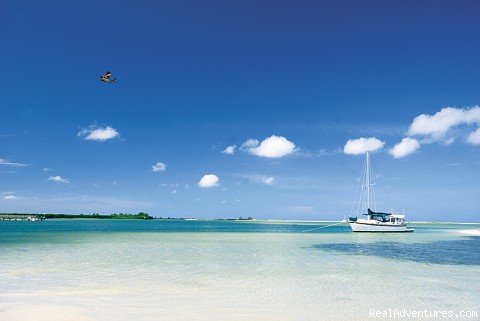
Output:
x=375 y=221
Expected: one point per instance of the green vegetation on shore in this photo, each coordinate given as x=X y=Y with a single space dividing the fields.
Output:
x=116 y=216
x=119 y=216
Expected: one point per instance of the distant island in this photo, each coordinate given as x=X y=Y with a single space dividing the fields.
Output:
x=116 y=216
x=250 y=218
x=36 y=217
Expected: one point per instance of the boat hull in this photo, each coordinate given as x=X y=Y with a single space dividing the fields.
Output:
x=382 y=228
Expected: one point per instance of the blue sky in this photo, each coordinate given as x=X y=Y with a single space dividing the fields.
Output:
x=198 y=76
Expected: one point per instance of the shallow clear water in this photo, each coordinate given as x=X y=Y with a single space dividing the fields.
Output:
x=227 y=270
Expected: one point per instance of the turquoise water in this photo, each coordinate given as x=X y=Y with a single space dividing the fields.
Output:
x=229 y=270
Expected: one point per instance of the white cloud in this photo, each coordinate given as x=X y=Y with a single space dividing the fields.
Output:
x=272 y=147
x=8 y=163
x=406 y=147
x=230 y=150
x=58 y=179
x=268 y=180
x=436 y=127
x=10 y=197
x=209 y=180
x=474 y=137
x=362 y=145
x=46 y=169
x=100 y=134
x=159 y=167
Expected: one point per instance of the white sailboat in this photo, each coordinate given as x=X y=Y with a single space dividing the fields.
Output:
x=375 y=221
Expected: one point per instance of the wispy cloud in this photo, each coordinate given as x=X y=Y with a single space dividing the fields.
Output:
x=100 y=134
x=159 y=167
x=230 y=150
x=327 y=152
x=372 y=128
x=268 y=180
x=77 y=204
x=8 y=196
x=6 y=162
x=258 y=179
x=58 y=179
x=248 y=144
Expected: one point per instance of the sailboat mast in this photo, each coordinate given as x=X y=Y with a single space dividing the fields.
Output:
x=367 y=173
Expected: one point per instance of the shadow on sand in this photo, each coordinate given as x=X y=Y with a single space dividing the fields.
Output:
x=455 y=252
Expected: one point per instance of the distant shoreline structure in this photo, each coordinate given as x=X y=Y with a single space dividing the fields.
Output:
x=21 y=217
